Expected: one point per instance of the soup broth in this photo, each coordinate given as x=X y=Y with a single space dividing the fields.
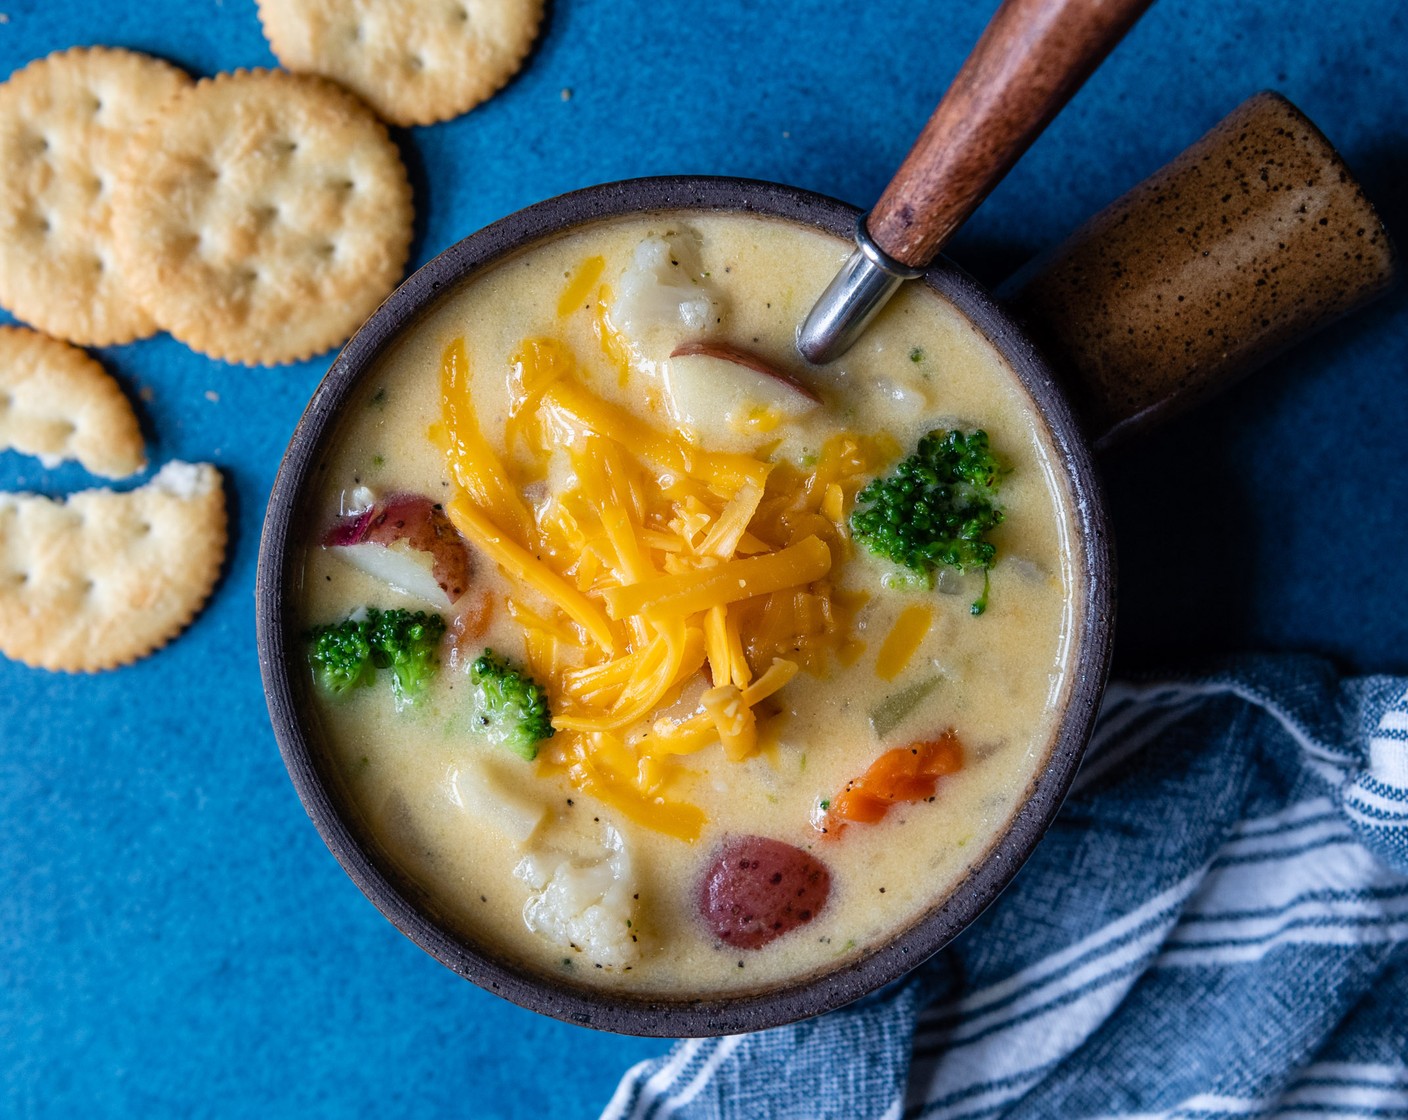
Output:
x=589 y=862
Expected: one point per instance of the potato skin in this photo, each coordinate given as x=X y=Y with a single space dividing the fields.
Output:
x=414 y=521
x=757 y=889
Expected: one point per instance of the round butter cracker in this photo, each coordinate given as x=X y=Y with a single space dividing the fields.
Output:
x=57 y=403
x=263 y=216
x=413 y=61
x=104 y=578
x=65 y=122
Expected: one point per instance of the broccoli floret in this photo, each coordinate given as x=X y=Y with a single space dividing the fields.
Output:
x=935 y=508
x=342 y=656
x=347 y=654
x=510 y=707
x=407 y=644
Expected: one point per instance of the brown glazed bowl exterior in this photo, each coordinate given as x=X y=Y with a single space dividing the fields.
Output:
x=287 y=680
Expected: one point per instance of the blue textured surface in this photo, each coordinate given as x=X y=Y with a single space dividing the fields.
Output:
x=174 y=938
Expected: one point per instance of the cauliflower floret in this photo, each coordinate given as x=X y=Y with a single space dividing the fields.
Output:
x=585 y=905
x=664 y=297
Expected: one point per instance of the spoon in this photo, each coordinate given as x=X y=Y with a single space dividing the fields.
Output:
x=1031 y=59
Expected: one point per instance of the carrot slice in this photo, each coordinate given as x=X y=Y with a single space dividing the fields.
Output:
x=909 y=773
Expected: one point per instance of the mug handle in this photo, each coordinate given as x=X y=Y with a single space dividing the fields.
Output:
x=1251 y=240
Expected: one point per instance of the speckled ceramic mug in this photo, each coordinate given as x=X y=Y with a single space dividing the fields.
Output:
x=1110 y=282
x=1252 y=239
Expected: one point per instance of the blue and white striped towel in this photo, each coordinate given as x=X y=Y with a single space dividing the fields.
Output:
x=1215 y=926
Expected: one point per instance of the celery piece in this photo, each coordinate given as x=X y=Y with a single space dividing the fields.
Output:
x=891 y=711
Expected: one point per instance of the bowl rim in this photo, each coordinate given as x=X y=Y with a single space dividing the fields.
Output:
x=609 y=1009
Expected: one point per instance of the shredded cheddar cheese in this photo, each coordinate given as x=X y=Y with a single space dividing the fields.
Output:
x=691 y=592
x=613 y=346
x=902 y=641
x=655 y=568
x=579 y=286
x=473 y=464
x=536 y=365
x=475 y=524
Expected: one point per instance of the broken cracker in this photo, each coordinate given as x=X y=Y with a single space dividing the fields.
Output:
x=263 y=216
x=104 y=578
x=414 y=62
x=57 y=403
x=65 y=122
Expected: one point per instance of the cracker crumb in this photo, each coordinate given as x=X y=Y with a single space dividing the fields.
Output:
x=566 y=94
x=212 y=396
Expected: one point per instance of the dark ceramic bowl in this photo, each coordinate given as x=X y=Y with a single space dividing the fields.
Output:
x=286 y=679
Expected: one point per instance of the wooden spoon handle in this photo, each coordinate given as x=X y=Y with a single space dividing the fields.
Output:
x=1033 y=56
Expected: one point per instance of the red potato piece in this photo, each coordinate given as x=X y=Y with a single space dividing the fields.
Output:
x=400 y=567
x=758 y=889
x=740 y=357
x=348 y=530
x=409 y=542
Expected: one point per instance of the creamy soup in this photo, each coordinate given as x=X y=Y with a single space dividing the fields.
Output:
x=657 y=533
